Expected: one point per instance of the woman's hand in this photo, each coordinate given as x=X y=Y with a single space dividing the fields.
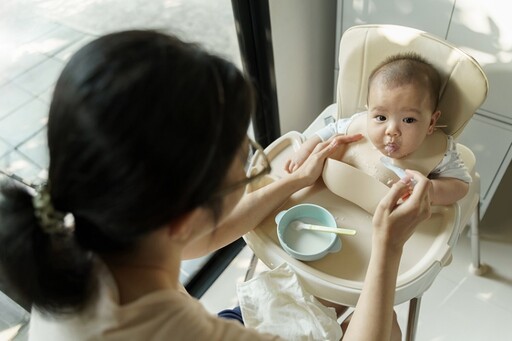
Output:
x=393 y=225
x=314 y=144
x=394 y=220
x=312 y=167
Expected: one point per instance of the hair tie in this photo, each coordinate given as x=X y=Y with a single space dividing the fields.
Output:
x=51 y=220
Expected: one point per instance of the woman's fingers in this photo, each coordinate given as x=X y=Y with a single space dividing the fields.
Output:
x=344 y=139
x=390 y=200
x=417 y=204
x=395 y=220
x=422 y=185
x=288 y=166
x=322 y=150
x=327 y=148
x=421 y=194
x=414 y=185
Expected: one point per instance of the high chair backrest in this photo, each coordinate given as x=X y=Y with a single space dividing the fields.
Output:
x=364 y=47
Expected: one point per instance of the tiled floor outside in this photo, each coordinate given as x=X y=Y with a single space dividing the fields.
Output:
x=37 y=37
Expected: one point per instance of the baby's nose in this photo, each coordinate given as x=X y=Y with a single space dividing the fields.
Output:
x=392 y=130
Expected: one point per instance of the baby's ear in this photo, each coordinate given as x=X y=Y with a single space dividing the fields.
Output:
x=433 y=121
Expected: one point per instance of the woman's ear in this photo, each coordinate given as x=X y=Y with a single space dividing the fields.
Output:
x=433 y=121
x=182 y=227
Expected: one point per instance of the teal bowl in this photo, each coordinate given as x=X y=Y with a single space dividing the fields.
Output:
x=307 y=245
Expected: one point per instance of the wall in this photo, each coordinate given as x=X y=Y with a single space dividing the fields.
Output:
x=484 y=30
x=303 y=35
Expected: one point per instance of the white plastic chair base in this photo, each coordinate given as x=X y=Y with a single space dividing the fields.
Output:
x=476 y=267
x=478 y=271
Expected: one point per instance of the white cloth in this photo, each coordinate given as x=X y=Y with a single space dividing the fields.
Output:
x=451 y=166
x=274 y=302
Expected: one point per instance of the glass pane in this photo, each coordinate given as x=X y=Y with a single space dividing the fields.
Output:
x=37 y=38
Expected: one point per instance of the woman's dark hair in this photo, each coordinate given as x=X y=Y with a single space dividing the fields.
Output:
x=142 y=128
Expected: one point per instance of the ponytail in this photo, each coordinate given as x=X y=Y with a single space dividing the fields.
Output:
x=48 y=270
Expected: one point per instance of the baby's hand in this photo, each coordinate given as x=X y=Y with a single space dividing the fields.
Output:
x=297 y=160
x=312 y=167
x=302 y=154
x=339 y=145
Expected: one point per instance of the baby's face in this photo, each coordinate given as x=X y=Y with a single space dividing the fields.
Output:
x=399 y=118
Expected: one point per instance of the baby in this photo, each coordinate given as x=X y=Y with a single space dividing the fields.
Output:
x=400 y=123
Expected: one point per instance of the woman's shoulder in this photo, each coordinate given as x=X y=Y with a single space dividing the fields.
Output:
x=176 y=314
x=158 y=316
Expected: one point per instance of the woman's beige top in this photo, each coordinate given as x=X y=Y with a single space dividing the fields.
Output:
x=162 y=315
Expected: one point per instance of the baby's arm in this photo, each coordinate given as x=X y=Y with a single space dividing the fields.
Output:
x=255 y=206
x=446 y=191
x=451 y=178
x=322 y=135
x=302 y=154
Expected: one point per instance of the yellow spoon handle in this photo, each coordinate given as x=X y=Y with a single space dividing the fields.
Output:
x=337 y=230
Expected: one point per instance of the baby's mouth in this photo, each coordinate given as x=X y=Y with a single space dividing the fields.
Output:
x=391 y=147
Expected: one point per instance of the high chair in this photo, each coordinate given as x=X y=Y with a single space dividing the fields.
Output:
x=339 y=277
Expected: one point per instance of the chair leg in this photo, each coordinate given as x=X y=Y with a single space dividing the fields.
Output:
x=412 y=321
x=249 y=274
x=476 y=267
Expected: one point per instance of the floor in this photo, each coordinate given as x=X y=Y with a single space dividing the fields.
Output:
x=37 y=37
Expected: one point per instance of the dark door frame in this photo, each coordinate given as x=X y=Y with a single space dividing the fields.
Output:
x=252 y=19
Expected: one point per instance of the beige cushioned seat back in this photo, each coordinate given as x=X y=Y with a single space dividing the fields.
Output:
x=364 y=47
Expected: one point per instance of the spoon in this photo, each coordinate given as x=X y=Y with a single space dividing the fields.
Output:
x=386 y=161
x=400 y=172
x=299 y=225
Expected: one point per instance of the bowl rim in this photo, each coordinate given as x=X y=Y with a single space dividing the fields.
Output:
x=280 y=228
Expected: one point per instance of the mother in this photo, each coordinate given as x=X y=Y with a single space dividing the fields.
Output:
x=147 y=140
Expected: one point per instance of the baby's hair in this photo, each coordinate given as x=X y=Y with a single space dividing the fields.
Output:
x=407 y=68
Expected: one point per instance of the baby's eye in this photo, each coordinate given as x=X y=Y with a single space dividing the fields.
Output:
x=409 y=120
x=380 y=118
